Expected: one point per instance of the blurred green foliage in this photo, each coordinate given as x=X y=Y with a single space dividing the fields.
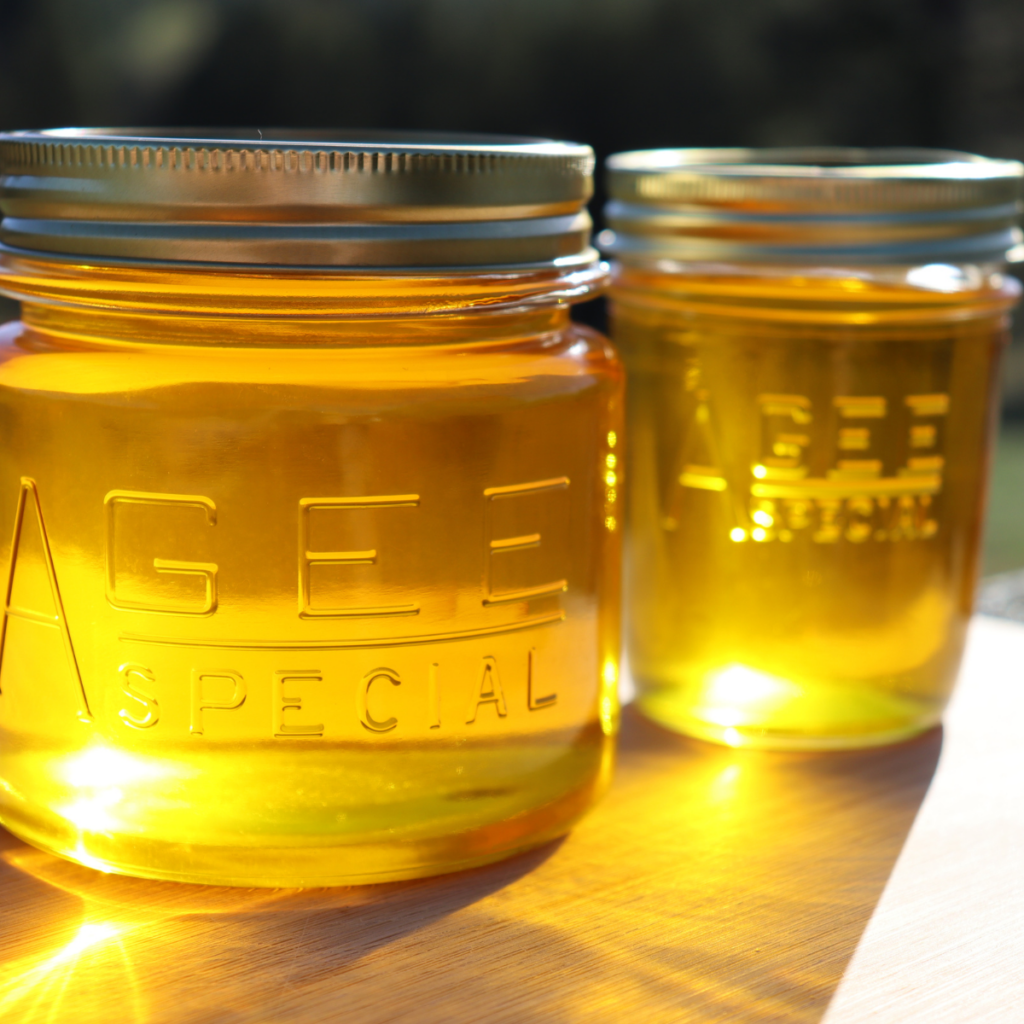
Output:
x=1004 y=537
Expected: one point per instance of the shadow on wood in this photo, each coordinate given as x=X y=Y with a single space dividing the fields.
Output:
x=711 y=884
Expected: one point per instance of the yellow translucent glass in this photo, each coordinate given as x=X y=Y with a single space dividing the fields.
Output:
x=808 y=458
x=312 y=579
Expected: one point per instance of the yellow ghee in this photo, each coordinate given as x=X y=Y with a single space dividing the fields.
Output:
x=809 y=443
x=312 y=573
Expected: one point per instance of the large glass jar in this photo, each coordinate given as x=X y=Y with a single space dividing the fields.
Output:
x=812 y=339
x=313 y=573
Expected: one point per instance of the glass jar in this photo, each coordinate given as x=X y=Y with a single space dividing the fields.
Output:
x=314 y=575
x=812 y=339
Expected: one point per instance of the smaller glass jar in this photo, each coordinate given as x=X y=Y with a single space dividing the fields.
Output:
x=812 y=339
x=312 y=570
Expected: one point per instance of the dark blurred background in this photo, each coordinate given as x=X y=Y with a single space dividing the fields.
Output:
x=618 y=74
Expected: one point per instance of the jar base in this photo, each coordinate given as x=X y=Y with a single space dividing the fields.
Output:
x=296 y=866
x=797 y=725
x=305 y=815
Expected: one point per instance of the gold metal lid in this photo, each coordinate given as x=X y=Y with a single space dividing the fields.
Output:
x=310 y=198
x=813 y=205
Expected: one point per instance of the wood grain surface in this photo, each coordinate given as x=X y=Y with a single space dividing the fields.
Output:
x=710 y=885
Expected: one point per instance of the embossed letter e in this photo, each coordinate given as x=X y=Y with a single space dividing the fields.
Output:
x=283 y=702
x=308 y=560
x=508 y=565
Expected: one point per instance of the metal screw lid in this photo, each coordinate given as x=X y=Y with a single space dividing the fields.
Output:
x=316 y=198
x=813 y=205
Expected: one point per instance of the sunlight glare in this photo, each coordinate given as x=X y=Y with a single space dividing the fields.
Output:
x=88 y=935
x=738 y=694
x=101 y=766
x=83 y=856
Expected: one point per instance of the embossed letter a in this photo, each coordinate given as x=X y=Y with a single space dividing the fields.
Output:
x=32 y=596
x=489 y=691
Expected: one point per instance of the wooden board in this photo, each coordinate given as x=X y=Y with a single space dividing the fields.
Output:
x=710 y=885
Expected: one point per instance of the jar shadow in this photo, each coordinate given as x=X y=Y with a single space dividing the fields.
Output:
x=710 y=884
x=773 y=863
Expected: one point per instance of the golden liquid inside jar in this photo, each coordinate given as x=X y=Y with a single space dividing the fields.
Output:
x=312 y=576
x=809 y=449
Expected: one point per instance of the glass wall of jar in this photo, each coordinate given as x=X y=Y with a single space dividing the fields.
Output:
x=312 y=571
x=812 y=339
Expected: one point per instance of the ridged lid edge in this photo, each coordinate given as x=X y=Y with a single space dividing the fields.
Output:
x=814 y=179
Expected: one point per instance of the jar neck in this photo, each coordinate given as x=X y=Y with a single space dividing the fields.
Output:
x=84 y=326
x=878 y=294
x=189 y=305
